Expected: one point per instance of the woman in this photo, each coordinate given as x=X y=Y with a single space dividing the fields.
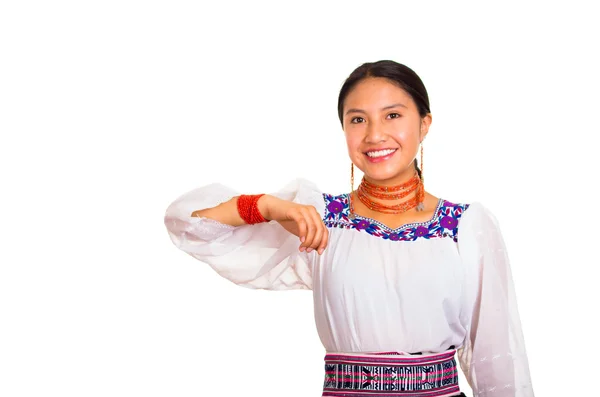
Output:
x=402 y=280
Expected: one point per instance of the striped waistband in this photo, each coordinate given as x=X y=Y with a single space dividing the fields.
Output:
x=390 y=375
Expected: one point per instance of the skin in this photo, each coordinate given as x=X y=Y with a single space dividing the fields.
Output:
x=378 y=113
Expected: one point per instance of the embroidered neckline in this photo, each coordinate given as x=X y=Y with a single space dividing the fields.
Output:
x=444 y=222
x=406 y=225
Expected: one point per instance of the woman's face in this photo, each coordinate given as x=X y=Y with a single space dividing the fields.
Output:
x=379 y=115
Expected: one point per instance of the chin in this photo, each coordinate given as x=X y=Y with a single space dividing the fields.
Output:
x=387 y=173
x=381 y=176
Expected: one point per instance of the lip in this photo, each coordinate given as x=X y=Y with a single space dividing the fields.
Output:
x=380 y=159
x=377 y=149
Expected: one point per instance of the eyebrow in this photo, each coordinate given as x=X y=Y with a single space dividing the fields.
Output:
x=395 y=105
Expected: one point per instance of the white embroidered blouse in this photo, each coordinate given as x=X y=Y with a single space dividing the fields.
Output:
x=422 y=287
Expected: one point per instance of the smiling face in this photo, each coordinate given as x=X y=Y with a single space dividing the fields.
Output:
x=379 y=115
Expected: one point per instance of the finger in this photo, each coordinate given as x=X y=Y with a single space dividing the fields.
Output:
x=324 y=240
x=316 y=219
x=302 y=229
x=311 y=229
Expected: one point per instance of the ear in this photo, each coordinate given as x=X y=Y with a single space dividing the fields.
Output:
x=425 y=123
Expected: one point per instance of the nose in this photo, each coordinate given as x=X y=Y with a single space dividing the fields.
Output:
x=374 y=132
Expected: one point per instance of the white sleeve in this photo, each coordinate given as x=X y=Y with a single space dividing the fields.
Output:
x=259 y=256
x=493 y=356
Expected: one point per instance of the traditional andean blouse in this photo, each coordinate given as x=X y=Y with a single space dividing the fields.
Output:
x=422 y=287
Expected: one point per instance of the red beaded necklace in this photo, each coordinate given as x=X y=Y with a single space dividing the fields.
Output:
x=366 y=190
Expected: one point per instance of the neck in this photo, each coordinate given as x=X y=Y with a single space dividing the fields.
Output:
x=394 y=181
x=394 y=185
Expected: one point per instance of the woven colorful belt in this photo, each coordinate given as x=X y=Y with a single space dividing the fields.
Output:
x=385 y=375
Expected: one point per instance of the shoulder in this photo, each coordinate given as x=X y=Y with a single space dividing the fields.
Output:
x=457 y=209
x=478 y=219
x=468 y=210
x=331 y=197
x=477 y=211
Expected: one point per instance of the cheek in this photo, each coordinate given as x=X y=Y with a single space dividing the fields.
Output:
x=354 y=133
x=353 y=141
x=402 y=137
x=405 y=135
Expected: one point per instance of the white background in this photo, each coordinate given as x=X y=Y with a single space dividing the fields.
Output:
x=110 y=110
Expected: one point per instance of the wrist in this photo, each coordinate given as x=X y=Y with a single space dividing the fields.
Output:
x=264 y=204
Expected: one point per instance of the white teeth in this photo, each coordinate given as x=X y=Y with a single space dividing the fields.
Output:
x=380 y=153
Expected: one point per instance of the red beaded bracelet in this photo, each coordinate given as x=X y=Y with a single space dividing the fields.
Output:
x=248 y=208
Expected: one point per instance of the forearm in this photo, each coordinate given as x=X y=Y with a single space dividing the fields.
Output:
x=227 y=212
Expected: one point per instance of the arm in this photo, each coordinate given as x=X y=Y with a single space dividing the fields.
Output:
x=263 y=255
x=301 y=220
x=227 y=212
x=493 y=356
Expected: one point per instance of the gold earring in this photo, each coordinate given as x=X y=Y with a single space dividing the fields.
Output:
x=351 y=177
x=351 y=211
x=422 y=175
x=421 y=205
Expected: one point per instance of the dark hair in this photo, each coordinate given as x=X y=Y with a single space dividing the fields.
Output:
x=395 y=72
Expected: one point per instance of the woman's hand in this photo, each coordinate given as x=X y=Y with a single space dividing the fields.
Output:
x=301 y=220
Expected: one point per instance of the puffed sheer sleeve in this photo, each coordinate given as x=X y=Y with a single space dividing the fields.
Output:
x=493 y=356
x=259 y=256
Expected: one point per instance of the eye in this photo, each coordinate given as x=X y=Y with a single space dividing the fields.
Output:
x=357 y=120
x=393 y=115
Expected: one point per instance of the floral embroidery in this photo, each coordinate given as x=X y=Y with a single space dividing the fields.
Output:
x=444 y=222
x=335 y=207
